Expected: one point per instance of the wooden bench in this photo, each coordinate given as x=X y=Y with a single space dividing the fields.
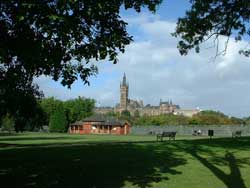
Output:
x=170 y=135
x=236 y=134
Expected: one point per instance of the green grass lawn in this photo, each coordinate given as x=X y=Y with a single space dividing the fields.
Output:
x=65 y=138
x=97 y=161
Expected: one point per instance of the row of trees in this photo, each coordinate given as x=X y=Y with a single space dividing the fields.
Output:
x=208 y=117
x=59 y=114
x=55 y=113
x=213 y=118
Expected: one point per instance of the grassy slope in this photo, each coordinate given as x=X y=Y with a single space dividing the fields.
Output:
x=123 y=161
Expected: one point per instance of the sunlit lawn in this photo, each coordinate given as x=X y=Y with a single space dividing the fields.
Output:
x=62 y=160
x=59 y=138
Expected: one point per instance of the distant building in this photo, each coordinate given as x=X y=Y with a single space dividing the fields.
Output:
x=124 y=101
x=186 y=112
x=99 y=124
x=164 y=107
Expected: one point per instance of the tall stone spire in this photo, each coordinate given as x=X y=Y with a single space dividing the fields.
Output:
x=124 y=80
x=124 y=93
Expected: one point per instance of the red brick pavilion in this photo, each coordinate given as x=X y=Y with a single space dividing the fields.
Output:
x=98 y=124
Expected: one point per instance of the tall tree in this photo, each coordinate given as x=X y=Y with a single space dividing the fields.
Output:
x=49 y=106
x=18 y=96
x=77 y=109
x=58 y=122
x=58 y=38
x=212 y=18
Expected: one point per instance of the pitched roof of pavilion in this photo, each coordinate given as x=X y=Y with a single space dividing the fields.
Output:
x=77 y=123
x=100 y=119
x=95 y=118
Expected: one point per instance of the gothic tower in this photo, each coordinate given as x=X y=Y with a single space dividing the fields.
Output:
x=123 y=93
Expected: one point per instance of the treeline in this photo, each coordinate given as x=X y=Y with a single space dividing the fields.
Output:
x=208 y=117
x=215 y=118
x=54 y=113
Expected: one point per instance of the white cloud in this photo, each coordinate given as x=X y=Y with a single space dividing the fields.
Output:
x=156 y=70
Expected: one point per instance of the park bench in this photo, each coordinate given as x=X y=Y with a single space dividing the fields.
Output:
x=236 y=134
x=170 y=135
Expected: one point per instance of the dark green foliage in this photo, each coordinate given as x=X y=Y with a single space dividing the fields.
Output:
x=194 y=121
x=210 y=117
x=246 y=120
x=237 y=121
x=8 y=123
x=57 y=39
x=44 y=37
x=37 y=120
x=212 y=18
x=49 y=106
x=125 y=115
x=136 y=114
x=113 y=114
x=77 y=109
x=18 y=96
x=73 y=110
x=58 y=122
x=168 y=119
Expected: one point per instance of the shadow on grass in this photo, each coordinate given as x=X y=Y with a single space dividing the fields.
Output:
x=115 y=164
x=226 y=143
x=97 y=165
x=29 y=138
x=8 y=134
x=234 y=178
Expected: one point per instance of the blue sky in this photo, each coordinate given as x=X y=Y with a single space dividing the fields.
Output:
x=155 y=69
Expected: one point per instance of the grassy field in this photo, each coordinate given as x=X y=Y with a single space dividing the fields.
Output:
x=65 y=138
x=97 y=161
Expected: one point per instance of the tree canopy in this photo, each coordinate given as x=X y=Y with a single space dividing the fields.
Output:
x=213 y=18
x=57 y=38
x=57 y=121
x=78 y=109
x=208 y=117
x=73 y=109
